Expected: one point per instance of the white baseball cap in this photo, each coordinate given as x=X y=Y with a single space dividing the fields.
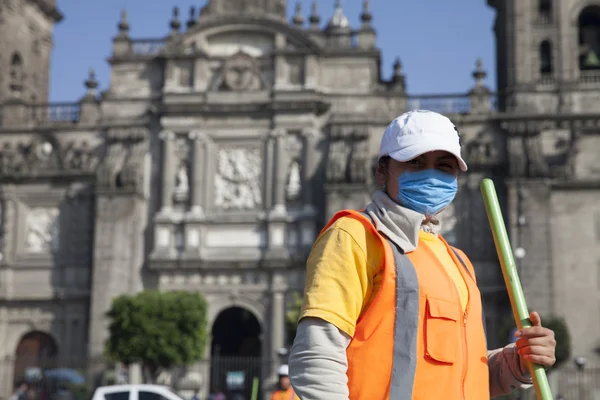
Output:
x=283 y=370
x=418 y=132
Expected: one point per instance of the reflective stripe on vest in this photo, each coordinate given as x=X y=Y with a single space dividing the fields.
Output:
x=406 y=326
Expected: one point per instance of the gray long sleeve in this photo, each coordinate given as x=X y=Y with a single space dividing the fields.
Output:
x=505 y=371
x=318 y=364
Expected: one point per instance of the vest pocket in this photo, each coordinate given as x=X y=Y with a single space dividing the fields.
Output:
x=441 y=330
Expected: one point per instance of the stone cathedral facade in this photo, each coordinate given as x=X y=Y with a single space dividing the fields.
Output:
x=218 y=151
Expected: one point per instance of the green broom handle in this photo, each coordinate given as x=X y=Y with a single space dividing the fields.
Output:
x=511 y=279
x=255 y=388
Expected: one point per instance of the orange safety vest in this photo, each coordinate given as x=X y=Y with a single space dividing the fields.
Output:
x=414 y=342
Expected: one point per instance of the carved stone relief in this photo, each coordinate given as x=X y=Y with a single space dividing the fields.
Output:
x=44 y=157
x=123 y=167
x=338 y=160
x=358 y=159
x=518 y=161
x=348 y=161
x=482 y=150
x=41 y=230
x=241 y=73
x=238 y=181
x=79 y=157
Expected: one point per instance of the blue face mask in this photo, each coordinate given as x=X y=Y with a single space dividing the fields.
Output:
x=427 y=192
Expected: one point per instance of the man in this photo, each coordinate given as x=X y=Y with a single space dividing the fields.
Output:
x=285 y=390
x=391 y=311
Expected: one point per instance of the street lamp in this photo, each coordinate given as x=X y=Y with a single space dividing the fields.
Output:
x=580 y=363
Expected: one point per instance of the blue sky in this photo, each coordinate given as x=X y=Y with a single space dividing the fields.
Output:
x=438 y=41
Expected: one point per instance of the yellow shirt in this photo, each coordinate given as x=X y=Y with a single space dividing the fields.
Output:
x=442 y=253
x=344 y=272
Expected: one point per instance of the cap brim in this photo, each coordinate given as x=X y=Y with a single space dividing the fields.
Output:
x=413 y=151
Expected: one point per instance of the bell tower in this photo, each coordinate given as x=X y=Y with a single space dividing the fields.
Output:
x=548 y=55
x=26 y=30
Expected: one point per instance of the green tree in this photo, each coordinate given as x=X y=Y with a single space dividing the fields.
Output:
x=292 y=315
x=157 y=329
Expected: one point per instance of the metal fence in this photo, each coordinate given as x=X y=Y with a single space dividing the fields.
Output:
x=226 y=374
x=567 y=384
x=574 y=384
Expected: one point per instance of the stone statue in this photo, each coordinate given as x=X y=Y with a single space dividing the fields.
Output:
x=338 y=160
x=294 y=183
x=181 y=180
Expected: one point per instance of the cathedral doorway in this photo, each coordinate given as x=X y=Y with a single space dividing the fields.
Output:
x=36 y=351
x=235 y=352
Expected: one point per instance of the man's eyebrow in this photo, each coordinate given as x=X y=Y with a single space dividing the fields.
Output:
x=447 y=156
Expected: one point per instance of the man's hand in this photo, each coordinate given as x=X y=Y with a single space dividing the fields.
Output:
x=536 y=344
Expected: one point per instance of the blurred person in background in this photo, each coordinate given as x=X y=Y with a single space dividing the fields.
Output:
x=284 y=390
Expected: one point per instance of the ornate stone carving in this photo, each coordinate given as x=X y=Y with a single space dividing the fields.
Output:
x=240 y=73
x=123 y=167
x=358 y=162
x=219 y=7
x=482 y=150
x=238 y=183
x=41 y=157
x=536 y=162
x=517 y=162
x=41 y=230
x=348 y=161
x=108 y=172
x=338 y=161
x=80 y=158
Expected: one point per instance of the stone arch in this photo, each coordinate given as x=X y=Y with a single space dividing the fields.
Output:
x=588 y=33
x=578 y=7
x=236 y=345
x=16 y=73
x=35 y=349
x=219 y=305
x=211 y=26
x=31 y=326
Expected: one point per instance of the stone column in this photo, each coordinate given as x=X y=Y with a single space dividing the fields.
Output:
x=168 y=177
x=269 y=163
x=281 y=68
x=310 y=137
x=198 y=172
x=280 y=170
x=277 y=326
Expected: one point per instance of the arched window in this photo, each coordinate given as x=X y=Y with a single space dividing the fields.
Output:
x=16 y=73
x=545 y=8
x=589 y=38
x=545 y=58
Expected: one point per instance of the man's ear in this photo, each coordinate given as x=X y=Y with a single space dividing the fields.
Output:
x=381 y=174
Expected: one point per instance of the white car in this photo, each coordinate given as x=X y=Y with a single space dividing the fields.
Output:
x=135 y=392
